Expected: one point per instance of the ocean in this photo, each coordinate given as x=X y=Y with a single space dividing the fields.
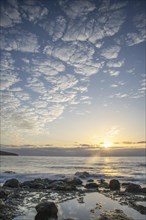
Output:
x=24 y=168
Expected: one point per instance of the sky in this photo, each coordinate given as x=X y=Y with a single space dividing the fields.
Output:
x=73 y=72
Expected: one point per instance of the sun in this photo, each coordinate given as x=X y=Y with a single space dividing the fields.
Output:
x=106 y=144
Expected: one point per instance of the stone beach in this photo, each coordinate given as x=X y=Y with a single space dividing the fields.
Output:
x=19 y=198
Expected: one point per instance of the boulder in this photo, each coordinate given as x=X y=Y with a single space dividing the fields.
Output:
x=73 y=181
x=37 y=183
x=13 y=183
x=34 y=184
x=3 y=194
x=82 y=174
x=91 y=186
x=57 y=185
x=46 y=210
x=143 y=190
x=133 y=188
x=114 y=184
x=90 y=181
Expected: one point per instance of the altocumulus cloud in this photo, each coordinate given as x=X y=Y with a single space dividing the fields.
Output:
x=52 y=50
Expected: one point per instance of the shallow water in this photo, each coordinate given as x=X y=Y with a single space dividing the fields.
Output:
x=79 y=211
x=124 y=168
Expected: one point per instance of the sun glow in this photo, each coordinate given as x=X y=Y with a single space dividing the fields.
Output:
x=106 y=144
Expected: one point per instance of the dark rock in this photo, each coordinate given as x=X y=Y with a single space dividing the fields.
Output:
x=90 y=181
x=13 y=183
x=114 y=184
x=33 y=184
x=57 y=185
x=143 y=190
x=91 y=186
x=37 y=184
x=9 y=172
x=103 y=218
x=46 y=210
x=3 y=194
x=125 y=184
x=74 y=181
x=133 y=188
x=141 y=209
x=6 y=211
x=82 y=174
x=102 y=181
x=61 y=185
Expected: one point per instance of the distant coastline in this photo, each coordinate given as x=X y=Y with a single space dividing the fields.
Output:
x=4 y=153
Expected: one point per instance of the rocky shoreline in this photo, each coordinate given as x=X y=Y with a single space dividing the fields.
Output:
x=15 y=194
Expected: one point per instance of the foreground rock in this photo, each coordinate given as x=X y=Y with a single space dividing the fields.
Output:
x=133 y=188
x=13 y=183
x=82 y=174
x=114 y=184
x=46 y=210
x=113 y=215
x=74 y=181
x=91 y=186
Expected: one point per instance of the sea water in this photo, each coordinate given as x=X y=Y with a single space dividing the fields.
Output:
x=24 y=168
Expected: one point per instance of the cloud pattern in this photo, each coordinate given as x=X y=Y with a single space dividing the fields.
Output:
x=51 y=51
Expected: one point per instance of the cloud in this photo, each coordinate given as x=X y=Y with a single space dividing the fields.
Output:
x=96 y=28
x=78 y=55
x=10 y=14
x=120 y=95
x=32 y=12
x=48 y=66
x=139 y=35
x=114 y=85
x=115 y=63
x=19 y=41
x=64 y=82
x=55 y=28
x=114 y=73
x=8 y=79
x=37 y=86
x=111 y=52
x=107 y=5
x=77 y=8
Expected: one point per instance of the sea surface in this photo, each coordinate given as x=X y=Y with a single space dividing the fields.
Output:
x=23 y=168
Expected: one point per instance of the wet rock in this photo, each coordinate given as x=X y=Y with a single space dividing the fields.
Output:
x=103 y=218
x=6 y=211
x=13 y=183
x=34 y=184
x=143 y=190
x=114 y=184
x=133 y=188
x=112 y=215
x=3 y=194
x=102 y=181
x=37 y=184
x=74 y=181
x=62 y=186
x=91 y=186
x=139 y=208
x=82 y=174
x=125 y=184
x=57 y=185
x=46 y=210
x=90 y=181
x=9 y=172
